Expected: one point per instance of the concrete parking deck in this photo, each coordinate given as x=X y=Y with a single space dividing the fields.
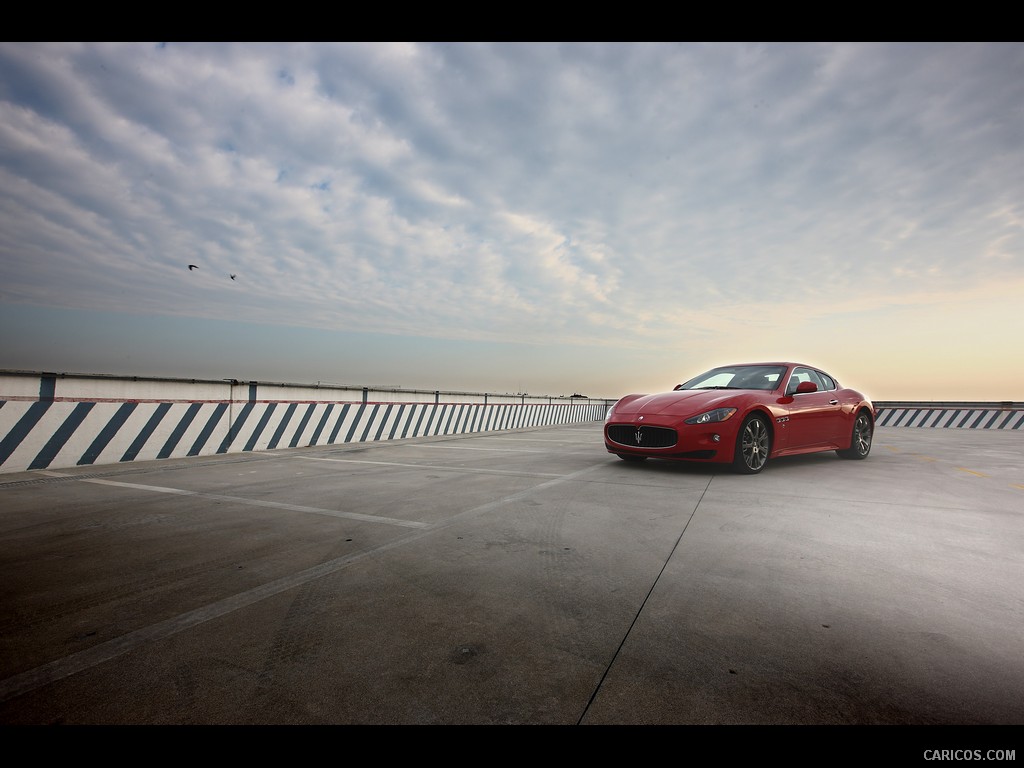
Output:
x=522 y=577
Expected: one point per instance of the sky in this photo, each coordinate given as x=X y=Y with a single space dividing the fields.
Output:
x=538 y=218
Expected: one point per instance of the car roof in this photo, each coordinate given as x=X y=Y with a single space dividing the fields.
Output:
x=777 y=362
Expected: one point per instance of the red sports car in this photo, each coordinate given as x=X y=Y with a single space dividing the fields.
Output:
x=743 y=415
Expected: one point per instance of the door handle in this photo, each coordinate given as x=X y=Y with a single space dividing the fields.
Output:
x=833 y=402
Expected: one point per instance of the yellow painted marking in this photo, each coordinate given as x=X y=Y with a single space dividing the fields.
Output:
x=893 y=448
x=926 y=458
x=972 y=472
x=1017 y=485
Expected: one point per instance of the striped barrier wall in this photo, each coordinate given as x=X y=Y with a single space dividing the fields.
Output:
x=51 y=421
x=1006 y=415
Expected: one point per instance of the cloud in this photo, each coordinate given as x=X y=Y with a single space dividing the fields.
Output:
x=647 y=196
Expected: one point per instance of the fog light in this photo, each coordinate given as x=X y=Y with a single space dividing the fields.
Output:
x=716 y=438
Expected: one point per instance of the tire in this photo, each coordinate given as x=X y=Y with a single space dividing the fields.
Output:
x=860 y=440
x=753 y=444
x=630 y=457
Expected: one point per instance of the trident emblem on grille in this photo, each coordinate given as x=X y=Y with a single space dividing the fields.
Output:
x=639 y=435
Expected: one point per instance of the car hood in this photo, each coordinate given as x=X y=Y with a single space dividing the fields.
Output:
x=680 y=403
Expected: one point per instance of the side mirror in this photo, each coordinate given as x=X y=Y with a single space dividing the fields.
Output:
x=806 y=386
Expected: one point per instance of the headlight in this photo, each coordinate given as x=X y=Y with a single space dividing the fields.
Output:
x=708 y=417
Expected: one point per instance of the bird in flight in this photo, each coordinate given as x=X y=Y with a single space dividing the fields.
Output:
x=232 y=277
x=191 y=267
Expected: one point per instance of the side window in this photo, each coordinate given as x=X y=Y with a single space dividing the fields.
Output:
x=827 y=382
x=804 y=374
x=798 y=375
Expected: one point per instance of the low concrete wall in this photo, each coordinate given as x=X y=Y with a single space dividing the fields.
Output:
x=49 y=421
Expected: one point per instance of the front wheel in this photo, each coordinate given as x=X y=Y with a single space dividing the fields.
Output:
x=860 y=441
x=752 y=446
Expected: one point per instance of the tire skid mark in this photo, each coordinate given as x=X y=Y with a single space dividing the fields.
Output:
x=299 y=638
x=177 y=576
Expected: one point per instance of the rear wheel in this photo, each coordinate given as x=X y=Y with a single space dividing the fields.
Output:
x=860 y=442
x=752 y=446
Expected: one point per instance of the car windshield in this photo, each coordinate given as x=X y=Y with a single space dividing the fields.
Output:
x=764 y=377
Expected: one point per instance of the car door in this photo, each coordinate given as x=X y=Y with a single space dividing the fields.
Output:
x=813 y=416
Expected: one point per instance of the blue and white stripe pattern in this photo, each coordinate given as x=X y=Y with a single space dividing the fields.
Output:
x=51 y=432
x=966 y=416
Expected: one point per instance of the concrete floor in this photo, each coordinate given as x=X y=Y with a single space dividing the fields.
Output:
x=525 y=578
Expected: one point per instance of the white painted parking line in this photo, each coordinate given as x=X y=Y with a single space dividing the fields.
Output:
x=502 y=450
x=525 y=439
x=428 y=466
x=270 y=504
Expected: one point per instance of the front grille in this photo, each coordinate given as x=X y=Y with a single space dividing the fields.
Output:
x=642 y=437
